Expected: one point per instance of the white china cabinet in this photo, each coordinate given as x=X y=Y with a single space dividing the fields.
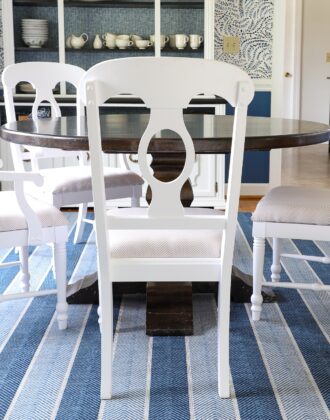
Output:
x=141 y=17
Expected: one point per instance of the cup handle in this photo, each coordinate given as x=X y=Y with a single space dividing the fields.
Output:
x=130 y=43
x=84 y=37
x=167 y=38
x=201 y=39
x=150 y=44
x=187 y=39
x=103 y=37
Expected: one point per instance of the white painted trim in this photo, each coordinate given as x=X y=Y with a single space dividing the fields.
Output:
x=263 y=85
x=8 y=32
x=209 y=33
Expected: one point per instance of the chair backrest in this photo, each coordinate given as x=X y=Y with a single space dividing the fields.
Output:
x=43 y=76
x=166 y=85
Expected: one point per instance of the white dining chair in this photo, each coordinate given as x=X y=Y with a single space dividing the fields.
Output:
x=64 y=185
x=288 y=212
x=165 y=241
x=25 y=221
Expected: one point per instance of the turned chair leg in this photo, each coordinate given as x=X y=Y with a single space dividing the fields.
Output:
x=276 y=266
x=80 y=223
x=59 y=250
x=24 y=272
x=258 y=270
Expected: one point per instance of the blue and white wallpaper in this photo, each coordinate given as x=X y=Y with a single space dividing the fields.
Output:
x=252 y=21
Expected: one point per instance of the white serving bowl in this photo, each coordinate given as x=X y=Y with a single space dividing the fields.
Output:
x=35 y=42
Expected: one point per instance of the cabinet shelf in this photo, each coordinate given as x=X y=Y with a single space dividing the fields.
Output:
x=117 y=50
x=34 y=50
x=178 y=4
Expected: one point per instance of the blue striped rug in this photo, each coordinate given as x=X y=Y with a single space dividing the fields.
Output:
x=280 y=366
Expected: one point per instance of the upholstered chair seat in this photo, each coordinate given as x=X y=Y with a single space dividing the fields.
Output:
x=164 y=243
x=12 y=217
x=61 y=184
x=289 y=204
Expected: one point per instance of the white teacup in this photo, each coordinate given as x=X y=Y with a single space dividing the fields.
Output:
x=135 y=38
x=163 y=40
x=181 y=41
x=122 y=44
x=195 y=41
x=109 y=40
x=142 y=44
x=123 y=36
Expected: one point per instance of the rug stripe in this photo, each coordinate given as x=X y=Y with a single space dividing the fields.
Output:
x=169 y=383
x=130 y=363
x=202 y=346
x=318 y=302
x=310 y=248
x=85 y=374
x=312 y=343
x=40 y=386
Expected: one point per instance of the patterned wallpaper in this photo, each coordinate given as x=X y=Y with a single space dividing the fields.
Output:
x=252 y=21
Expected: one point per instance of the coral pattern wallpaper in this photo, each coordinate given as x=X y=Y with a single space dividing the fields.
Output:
x=252 y=21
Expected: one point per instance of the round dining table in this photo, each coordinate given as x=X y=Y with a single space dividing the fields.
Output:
x=169 y=305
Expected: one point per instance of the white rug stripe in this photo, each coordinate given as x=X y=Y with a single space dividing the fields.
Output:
x=148 y=382
x=38 y=392
x=4 y=252
x=300 y=397
x=189 y=380
x=130 y=364
x=294 y=387
x=318 y=303
x=203 y=361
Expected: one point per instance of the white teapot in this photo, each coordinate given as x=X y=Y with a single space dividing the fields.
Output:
x=78 y=42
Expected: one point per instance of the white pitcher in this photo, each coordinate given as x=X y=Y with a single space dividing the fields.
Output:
x=78 y=42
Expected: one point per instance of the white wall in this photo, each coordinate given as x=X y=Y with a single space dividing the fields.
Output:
x=315 y=88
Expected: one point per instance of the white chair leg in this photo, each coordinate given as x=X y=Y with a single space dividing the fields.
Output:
x=60 y=272
x=258 y=268
x=105 y=312
x=137 y=193
x=223 y=331
x=24 y=272
x=80 y=223
x=276 y=266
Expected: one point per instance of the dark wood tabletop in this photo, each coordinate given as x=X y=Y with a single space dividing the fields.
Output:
x=121 y=133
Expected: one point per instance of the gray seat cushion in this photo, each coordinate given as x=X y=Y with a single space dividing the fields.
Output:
x=288 y=204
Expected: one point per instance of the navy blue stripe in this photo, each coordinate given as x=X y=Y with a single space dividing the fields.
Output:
x=169 y=383
x=309 y=248
x=22 y=345
x=8 y=274
x=311 y=341
x=85 y=374
x=255 y=395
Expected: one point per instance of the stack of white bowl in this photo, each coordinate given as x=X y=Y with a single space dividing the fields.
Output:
x=35 y=32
